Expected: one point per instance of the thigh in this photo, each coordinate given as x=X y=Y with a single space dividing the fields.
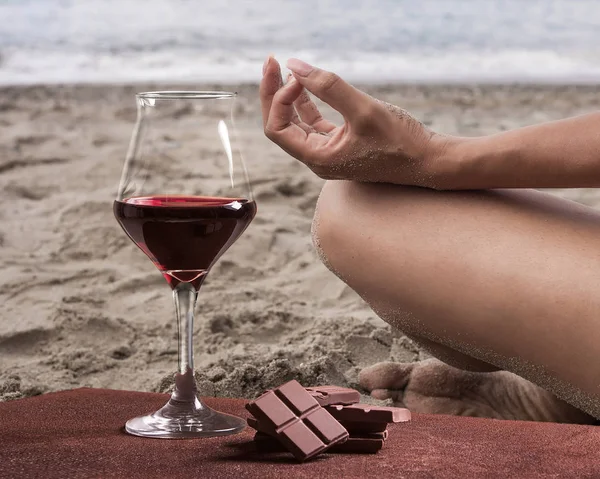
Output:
x=509 y=277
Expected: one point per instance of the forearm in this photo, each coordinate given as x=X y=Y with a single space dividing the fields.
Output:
x=559 y=154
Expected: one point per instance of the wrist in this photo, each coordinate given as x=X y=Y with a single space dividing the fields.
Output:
x=485 y=162
x=445 y=162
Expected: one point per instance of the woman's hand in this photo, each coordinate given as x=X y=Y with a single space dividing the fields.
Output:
x=378 y=142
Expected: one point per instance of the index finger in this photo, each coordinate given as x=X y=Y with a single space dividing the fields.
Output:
x=269 y=85
x=283 y=131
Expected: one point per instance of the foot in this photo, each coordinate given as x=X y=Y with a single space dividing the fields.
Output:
x=433 y=387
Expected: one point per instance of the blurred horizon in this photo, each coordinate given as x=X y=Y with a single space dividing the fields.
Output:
x=383 y=41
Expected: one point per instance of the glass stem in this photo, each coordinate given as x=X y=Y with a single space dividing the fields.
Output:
x=184 y=296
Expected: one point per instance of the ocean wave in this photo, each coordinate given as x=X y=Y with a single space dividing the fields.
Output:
x=57 y=41
x=185 y=66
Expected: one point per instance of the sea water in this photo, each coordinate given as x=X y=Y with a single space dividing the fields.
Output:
x=226 y=41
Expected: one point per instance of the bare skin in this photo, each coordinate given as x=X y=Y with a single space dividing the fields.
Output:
x=500 y=284
x=433 y=387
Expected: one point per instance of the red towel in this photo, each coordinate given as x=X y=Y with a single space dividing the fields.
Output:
x=79 y=434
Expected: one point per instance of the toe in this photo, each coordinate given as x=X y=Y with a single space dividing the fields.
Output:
x=381 y=394
x=397 y=397
x=386 y=375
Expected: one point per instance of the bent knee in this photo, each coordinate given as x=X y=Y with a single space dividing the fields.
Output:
x=352 y=226
x=336 y=227
x=327 y=228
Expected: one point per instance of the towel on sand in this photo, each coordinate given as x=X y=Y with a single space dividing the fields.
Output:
x=79 y=433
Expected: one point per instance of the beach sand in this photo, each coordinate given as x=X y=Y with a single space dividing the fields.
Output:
x=82 y=306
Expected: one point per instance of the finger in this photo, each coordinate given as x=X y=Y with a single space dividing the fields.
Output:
x=296 y=119
x=330 y=88
x=287 y=134
x=310 y=114
x=282 y=112
x=269 y=85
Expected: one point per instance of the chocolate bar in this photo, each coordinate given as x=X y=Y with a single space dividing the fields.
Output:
x=353 y=445
x=366 y=413
x=359 y=445
x=374 y=435
x=258 y=427
x=327 y=395
x=299 y=422
x=266 y=441
x=254 y=424
x=358 y=427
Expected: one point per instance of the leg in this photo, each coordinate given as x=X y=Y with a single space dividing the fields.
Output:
x=453 y=357
x=506 y=277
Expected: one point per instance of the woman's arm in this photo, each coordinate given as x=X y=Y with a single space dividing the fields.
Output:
x=379 y=142
x=558 y=154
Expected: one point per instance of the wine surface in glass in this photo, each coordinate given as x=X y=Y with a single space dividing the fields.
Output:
x=184 y=235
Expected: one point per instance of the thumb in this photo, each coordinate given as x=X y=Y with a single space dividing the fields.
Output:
x=330 y=88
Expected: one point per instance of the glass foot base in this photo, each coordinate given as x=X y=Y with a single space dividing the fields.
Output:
x=181 y=420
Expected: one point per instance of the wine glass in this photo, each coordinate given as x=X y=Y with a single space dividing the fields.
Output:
x=184 y=198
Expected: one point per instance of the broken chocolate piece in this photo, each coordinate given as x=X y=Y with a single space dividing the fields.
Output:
x=254 y=424
x=383 y=434
x=359 y=427
x=358 y=445
x=327 y=395
x=353 y=445
x=298 y=421
x=367 y=413
x=374 y=435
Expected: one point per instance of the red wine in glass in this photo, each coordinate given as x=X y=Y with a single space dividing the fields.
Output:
x=184 y=198
x=184 y=235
